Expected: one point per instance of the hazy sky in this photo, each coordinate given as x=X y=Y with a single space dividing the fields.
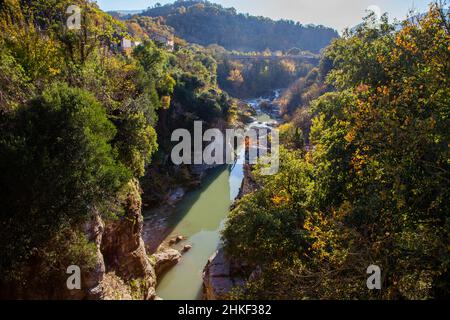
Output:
x=334 y=13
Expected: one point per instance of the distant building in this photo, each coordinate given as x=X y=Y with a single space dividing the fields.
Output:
x=166 y=40
x=127 y=45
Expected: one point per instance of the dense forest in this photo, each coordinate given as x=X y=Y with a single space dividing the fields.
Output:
x=206 y=23
x=370 y=186
x=80 y=122
x=257 y=77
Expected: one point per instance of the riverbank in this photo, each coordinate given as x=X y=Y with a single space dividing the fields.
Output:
x=221 y=275
x=157 y=224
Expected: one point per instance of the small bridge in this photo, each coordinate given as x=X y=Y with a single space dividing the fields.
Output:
x=310 y=58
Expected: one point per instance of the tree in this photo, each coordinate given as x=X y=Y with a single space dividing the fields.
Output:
x=59 y=166
x=376 y=188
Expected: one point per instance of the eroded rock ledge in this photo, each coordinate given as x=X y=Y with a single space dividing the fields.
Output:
x=218 y=277
x=123 y=270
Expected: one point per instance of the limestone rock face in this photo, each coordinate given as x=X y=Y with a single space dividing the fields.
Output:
x=124 y=250
x=165 y=260
x=217 y=277
x=90 y=281
x=248 y=183
x=94 y=230
x=121 y=257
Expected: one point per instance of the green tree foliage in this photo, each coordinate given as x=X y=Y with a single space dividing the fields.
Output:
x=291 y=136
x=132 y=96
x=197 y=89
x=376 y=188
x=37 y=36
x=58 y=166
x=14 y=83
x=269 y=219
x=196 y=97
x=136 y=141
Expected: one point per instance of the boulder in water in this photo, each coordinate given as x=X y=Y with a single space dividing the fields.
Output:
x=186 y=248
x=165 y=260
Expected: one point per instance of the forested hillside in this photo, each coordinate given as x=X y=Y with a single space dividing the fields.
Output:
x=370 y=187
x=79 y=126
x=207 y=23
x=225 y=33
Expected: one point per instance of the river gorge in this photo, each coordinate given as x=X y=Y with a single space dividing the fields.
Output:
x=199 y=218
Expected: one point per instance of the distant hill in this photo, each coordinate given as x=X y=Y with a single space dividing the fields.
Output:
x=207 y=23
x=124 y=14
